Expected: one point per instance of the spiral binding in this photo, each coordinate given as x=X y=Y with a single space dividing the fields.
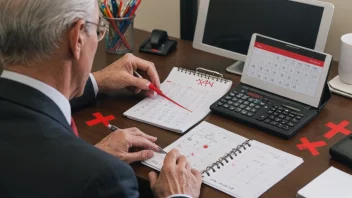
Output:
x=203 y=75
x=227 y=157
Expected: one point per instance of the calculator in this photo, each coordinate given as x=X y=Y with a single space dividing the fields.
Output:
x=283 y=87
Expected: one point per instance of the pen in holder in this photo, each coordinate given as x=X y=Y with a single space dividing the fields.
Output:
x=120 y=39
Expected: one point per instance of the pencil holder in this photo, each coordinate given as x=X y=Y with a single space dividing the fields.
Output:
x=120 y=39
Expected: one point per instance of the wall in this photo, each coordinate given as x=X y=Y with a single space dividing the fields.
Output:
x=159 y=14
x=341 y=24
x=165 y=14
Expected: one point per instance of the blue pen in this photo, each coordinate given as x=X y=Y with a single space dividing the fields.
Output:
x=114 y=7
x=133 y=3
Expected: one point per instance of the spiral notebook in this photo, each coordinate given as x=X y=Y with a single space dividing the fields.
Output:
x=194 y=90
x=233 y=164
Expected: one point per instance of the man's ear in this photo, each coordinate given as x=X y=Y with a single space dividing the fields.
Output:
x=75 y=38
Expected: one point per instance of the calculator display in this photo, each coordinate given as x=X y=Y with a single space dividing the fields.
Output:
x=286 y=69
x=254 y=95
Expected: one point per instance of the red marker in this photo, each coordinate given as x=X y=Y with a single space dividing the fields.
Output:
x=160 y=93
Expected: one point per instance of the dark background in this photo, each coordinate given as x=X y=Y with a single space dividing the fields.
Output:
x=231 y=23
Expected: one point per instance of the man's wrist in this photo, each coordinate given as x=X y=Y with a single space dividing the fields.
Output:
x=100 y=78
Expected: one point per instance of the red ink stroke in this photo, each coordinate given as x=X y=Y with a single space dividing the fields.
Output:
x=159 y=92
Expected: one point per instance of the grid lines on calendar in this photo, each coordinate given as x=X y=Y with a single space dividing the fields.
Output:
x=285 y=69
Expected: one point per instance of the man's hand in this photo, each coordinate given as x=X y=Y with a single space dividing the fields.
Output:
x=121 y=141
x=119 y=75
x=176 y=177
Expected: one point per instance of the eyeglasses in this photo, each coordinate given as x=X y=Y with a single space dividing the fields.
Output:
x=102 y=28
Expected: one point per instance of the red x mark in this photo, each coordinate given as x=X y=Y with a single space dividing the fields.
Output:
x=205 y=82
x=100 y=118
x=311 y=146
x=340 y=128
x=200 y=82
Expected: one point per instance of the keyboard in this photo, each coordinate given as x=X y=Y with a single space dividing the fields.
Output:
x=271 y=113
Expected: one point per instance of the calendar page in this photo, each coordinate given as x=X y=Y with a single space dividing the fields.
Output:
x=287 y=70
x=246 y=174
x=193 y=90
x=202 y=146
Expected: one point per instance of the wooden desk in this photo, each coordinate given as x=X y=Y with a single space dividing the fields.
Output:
x=337 y=110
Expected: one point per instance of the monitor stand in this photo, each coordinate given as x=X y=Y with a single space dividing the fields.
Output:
x=236 y=68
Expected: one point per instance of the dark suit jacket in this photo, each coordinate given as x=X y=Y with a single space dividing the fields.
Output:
x=41 y=157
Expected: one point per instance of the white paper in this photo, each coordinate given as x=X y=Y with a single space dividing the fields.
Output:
x=194 y=92
x=249 y=174
x=331 y=183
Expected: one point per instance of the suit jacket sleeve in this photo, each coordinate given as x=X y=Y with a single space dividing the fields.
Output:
x=112 y=182
x=87 y=98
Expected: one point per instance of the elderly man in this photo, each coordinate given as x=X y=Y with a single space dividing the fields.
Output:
x=47 y=50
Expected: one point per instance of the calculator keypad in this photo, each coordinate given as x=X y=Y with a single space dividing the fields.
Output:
x=241 y=103
x=277 y=116
x=281 y=117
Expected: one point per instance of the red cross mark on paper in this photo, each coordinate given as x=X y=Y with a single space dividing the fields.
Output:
x=340 y=128
x=200 y=82
x=205 y=83
x=311 y=146
x=100 y=119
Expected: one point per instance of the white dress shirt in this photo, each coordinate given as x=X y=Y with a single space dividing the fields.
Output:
x=60 y=100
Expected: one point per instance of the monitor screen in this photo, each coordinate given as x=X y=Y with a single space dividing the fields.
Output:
x=231 y=23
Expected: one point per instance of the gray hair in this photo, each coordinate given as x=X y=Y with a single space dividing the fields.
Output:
x=31 y=30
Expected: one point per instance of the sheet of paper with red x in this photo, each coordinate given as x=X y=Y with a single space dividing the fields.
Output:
x=311 y=146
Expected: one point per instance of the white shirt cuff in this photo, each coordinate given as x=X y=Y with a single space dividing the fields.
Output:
x=95 y=85
x=175 y=195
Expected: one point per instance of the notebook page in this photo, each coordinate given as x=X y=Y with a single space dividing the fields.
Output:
x=253 y=171
x=202 y=146
x=331 y=183
x=194 y=92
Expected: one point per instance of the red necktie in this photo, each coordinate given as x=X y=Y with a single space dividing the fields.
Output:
x=74 y=127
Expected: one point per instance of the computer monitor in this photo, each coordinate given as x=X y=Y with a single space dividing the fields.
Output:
x=225 y=27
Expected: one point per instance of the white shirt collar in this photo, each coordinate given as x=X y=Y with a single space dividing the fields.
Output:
x=60 y=100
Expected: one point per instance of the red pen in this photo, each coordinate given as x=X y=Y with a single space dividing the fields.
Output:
x=160 y=93
x=135 y=7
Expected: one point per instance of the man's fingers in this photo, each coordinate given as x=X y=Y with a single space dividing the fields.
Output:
x=139 y=156
x=134 y=89
x=150 y=93
x=137 y=132
x=171 y=158
x=137 y=91
x=140 y=83
x=153 y=177
x=196 y=173
x=138 y=141
x=148 y=67
x=188 y=166
x=182 y=161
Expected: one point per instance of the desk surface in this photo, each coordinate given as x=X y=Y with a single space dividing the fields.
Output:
x=337 y=110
